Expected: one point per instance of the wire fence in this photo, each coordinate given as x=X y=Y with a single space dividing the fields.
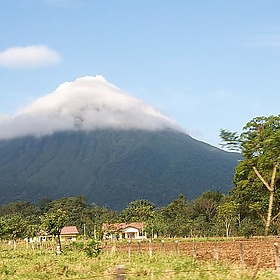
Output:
x=249 y=256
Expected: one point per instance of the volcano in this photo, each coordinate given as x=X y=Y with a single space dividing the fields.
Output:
x=90 y=138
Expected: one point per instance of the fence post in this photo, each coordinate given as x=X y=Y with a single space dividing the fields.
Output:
x=106 y=247
x=241 y=256
x=176 y=247
x=276 y=255
x=139 y=246
x=129 y=248
x=120 y=272
x=162 y=245
x=193 y=250
x=113 y=249
x=150 y=248
x=216 y=253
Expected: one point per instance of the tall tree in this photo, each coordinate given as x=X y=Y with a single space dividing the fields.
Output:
x=53 y=222
x=227 y=214
x=205 y=205
x=23 y=208
x=76 y=209
x=138 y=211
x=13 y=226
x=176 y=214
x=260 y=146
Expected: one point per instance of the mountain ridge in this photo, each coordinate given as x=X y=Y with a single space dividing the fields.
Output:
x=112 y=167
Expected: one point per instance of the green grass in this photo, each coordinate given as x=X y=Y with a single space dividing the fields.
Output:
x=23 y=263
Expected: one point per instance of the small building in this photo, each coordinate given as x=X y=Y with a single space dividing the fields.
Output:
x=69 y=233
x=124 y=230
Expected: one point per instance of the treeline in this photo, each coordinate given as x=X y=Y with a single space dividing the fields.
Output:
x=210 y=214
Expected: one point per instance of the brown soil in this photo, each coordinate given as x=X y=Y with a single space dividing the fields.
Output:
x=256 y=251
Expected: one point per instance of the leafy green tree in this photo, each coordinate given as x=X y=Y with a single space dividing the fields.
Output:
x=203 y=210
x=177 y=216
x=156 y=225
x=138 y=211
x=13 y=227
x=44 y=204
x=258 y=171
x=19 y=219
x=98 y=215
x=206 y=205
x=75 y=208
x=23 y=208
x=227 y=214
x=53 y=222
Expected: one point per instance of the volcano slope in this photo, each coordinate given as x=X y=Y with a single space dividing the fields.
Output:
x=112 y=167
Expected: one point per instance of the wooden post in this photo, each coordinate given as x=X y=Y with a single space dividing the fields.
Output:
x=256 y=268
x=176 y=247
x=216 y=253
x=120 y=272
x=241 y=256
x=139 y=246
x=129 y=248
x=113 y=249
x=276 y=255
x=193 y=250
x=162 y=245
x=150 y=248
x=106 y=247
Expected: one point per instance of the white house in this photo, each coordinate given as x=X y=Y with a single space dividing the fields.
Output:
x=124 y=230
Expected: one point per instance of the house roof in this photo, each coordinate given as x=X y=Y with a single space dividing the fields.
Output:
x=69 y=230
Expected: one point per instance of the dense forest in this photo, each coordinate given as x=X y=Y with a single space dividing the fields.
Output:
x=210 y=214
x=112 y=167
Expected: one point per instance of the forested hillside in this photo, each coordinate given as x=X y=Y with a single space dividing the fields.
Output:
x=112 y=167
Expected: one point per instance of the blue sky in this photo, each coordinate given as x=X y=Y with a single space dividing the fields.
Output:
x=206 y=64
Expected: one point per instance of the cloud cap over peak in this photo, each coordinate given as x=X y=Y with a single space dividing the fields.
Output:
x=29 y=57
x=86 y=104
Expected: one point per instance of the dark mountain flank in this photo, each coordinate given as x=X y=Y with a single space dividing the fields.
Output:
x=112 y=167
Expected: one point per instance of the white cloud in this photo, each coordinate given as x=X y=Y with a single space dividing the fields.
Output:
x=30 y=56
x=86 y=104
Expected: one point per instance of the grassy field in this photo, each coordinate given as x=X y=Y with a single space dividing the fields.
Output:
x=73 y=263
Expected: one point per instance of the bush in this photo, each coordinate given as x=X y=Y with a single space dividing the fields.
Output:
x=93 y=248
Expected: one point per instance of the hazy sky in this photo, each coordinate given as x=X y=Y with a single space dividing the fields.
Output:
x=206 y=64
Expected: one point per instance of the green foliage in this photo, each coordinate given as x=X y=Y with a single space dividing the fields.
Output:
x=75 y=208
x=138 y=211
x=54 y=221
x=44 y=204
x=112 y=167
x=257 y=175
x=176 y=215
x=206 y=205
x=156 y=225
x=92 y=248
x=22 y=208
x=13 y=226
x=227 y=214
x=250 y=227
x=230 y=140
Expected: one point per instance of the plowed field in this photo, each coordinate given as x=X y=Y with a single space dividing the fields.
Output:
x=257 y=251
